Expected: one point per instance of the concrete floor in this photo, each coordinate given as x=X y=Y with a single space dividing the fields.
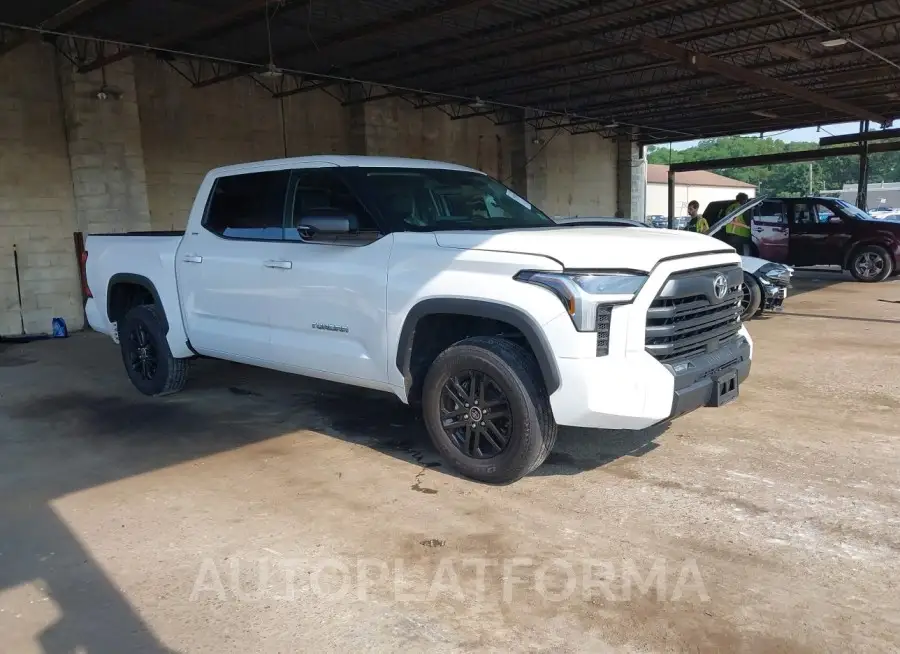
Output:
x=262 y=512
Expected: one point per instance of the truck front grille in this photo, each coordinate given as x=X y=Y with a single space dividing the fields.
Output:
x=688 y=317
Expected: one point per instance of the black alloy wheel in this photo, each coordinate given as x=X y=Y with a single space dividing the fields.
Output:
x=143 y=357
x=476 y=414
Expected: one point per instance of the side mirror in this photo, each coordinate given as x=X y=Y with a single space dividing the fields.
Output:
x=327 y=221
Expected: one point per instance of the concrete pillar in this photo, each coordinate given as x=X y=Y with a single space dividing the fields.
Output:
x=103 y=130
x=631 y=179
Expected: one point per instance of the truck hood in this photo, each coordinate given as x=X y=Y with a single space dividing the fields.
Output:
x=623 y=248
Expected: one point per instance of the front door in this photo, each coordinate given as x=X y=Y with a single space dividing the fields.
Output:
x=328 y=318
x=770 y=230
x=224 y=268
x=818 y=234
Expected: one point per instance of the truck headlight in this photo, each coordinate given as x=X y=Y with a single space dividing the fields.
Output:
x=777 y=273
x=582 y=292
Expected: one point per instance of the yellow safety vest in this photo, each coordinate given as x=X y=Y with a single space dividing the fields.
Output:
x=701 y=225
x=738 y=226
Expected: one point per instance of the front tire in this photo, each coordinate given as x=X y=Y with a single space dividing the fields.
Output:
x=871 y=263
x=145 y=352
x=487 y=410
x=751 y=297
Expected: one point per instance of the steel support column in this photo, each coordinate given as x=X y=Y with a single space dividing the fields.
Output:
x=863 y=185
x=671 y=179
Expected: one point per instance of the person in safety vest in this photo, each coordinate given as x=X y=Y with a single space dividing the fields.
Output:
x=697 y=223
x=738 y=230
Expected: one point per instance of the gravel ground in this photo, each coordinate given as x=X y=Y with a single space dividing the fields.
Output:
x=267 y=513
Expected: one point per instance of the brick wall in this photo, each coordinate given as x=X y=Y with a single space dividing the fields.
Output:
x=105 y=154
x=186 y=132
x=396 y=128
x=37 y=215
x=572 y=175
x=72 y=162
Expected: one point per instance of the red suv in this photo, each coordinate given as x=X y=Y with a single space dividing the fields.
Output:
x=818 y=232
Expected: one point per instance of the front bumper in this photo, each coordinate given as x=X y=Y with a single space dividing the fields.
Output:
x=695 y=383
x=773 y=296
x=637 y=391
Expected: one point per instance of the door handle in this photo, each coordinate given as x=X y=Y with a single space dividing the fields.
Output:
x=192 y=258
x=286 y=265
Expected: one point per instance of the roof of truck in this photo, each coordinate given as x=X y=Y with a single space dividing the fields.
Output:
x=341 y=160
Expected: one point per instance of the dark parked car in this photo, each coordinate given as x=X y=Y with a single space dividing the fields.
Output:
x=820 y=232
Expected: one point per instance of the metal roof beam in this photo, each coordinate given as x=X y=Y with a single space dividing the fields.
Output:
x=726 y=52
x=779 y=157
x=399 y=19
x=740 y=122
x=60 y=19
x=701 y=62
x=222 y=22
x=743 y=116
x=682 y=37
x=864 y=136
x=468 y=46
x=848 y=74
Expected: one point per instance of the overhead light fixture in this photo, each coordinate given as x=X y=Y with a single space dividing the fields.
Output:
x=893 y=95
x=834 y=43
x=764 y=114
x=479 y=103
x=271 y=71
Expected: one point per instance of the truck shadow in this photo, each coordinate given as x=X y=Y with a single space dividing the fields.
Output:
x=383 y=423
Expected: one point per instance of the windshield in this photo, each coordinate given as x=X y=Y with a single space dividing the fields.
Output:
x=853 y=210
x=432 y=199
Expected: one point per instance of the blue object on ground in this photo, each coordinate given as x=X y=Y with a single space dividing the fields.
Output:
x=59 y=328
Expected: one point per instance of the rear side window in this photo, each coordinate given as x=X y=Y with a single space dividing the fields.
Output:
x=770 y=212
x=248 y=206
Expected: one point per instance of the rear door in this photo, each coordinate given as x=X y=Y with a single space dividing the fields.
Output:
x=224 y=268
x=818 y=233
x=770 y=230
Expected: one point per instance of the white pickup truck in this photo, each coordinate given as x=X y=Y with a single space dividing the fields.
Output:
x=435 y=283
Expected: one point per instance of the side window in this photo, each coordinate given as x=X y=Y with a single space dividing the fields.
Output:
x=803 y=214
x=321 y=192
x=770 y=212
x=248 y=206
x=823 y=214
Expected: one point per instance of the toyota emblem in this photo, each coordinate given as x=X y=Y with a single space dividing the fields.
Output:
x=720 y=286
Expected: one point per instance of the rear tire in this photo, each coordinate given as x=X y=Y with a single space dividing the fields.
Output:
x=871 y=263
x=464 y=384
x=751 y=298
x=145 y=352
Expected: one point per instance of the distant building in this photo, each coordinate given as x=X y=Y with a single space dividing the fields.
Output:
x=699 y=185
x=878 y=194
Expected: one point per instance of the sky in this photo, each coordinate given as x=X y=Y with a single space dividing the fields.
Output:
x=801 y=134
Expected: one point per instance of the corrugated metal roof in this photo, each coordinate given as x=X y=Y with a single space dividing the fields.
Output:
x=578 y=57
